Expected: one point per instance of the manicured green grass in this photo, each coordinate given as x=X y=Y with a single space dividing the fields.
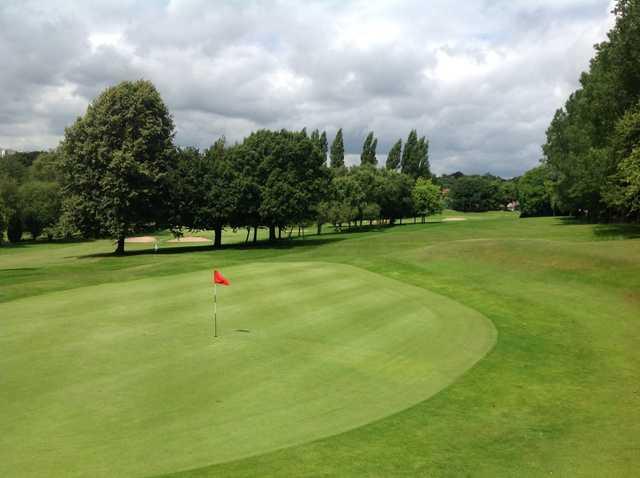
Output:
x=558 y=394
x=126 y=379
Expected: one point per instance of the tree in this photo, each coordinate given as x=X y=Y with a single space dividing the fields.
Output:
x=3 y=220
x=41 y=206
x=422 y=153
x=410 y=163
x=427 y=198
x=291 y=176
x=368 y=156
x=533 y=192
x=117 y=159
x=394 y=195
x=394 y=156
x=580 y=150
x=14 y=227
x=10 y=200
x=337 y=151
x=474 y=193
x=324 y=144
x=47 y=167
x=202 y=190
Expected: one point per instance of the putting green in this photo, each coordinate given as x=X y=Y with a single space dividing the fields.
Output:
x=125 y=380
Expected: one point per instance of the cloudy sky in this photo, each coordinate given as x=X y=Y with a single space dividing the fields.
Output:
x=481 y=79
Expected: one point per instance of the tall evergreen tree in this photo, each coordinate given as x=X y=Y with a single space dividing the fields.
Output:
x=324 y=145
x=394 y=156
x=337 y=151
x=410 y=156
x=424 y=170
x=368 y=155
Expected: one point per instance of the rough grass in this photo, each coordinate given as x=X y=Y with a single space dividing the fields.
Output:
x=557 y=395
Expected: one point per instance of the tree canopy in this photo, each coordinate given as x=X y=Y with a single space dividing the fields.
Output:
x=591 y=141
x=117 y=159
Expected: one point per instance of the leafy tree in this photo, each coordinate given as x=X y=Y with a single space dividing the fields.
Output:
x=10 y=201
x=337 y=151
x=291 y=177
x=117 y=158
x=14 y=227
x=368 y=156
x=12 y=167
x=427 y=198
x=394 y=195
x=474 y=193
x=580 y=150
x=41 y=206
x=350 y=194
x=3 y=219
x=533 y=192
x=47 y=167
x=394 y=156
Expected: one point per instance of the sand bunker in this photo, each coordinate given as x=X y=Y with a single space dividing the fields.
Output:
x=141 y=240
x=190 y=239
x=454 y=219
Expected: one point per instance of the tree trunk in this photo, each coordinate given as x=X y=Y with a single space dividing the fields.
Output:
x=120 y=247
x=217 y=238
x=279 y=232
x=255 y=234
x=415 y=219
x=272 y=232
x=319 y=228
x=247 y=238
x=423 y=217
x=401 y=220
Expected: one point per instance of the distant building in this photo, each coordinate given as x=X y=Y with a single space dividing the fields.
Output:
x=6 y=152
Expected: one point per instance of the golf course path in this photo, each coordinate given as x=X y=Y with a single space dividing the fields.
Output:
x=125 y=379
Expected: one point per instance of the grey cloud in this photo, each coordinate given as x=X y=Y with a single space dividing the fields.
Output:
x=480 y=79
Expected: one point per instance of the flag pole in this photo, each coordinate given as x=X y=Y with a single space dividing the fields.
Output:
x=215 y=310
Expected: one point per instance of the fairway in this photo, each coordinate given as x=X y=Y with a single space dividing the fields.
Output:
x=124 y=378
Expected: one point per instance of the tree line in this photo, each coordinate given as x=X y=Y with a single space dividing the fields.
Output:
x=117 y=172
x=591 y=163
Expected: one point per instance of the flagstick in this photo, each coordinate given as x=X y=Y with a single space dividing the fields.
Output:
x=215 y=310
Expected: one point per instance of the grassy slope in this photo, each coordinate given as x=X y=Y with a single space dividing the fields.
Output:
x=558 y=394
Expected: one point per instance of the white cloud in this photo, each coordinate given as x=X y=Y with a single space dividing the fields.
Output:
x=481 y=79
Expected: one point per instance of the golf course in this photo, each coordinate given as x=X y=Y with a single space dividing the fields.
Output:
x=481 y=345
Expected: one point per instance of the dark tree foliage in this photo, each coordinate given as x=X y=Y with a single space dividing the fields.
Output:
x=324 y=144
x=14 y=228
x=591 y=174
x=394 y=156
x=337 y=151
x=3 y=219
x=415 y=157
x=534 y=193
x=117 y=159
x=474 y=194
x=368 y=155
x=40 y=207
x=291 y=176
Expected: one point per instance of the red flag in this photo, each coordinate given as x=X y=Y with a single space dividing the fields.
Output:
x=220 y=279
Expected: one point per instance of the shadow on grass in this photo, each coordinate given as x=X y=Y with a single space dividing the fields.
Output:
x=282 y=244
x=604 y=230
